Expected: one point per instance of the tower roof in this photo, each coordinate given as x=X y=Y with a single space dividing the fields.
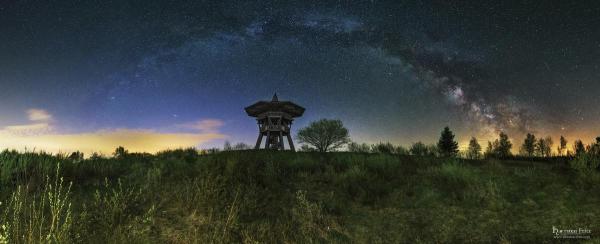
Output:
x=274 y=105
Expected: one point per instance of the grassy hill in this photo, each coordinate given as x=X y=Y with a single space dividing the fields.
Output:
x=283 y=197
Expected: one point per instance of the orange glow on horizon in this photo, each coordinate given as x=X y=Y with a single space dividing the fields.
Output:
x=105 y=142
x=40 y=135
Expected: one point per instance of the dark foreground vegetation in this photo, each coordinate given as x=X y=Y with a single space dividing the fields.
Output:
x=283 y=197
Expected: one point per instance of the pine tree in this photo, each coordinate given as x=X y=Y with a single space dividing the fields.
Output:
x=446 y=145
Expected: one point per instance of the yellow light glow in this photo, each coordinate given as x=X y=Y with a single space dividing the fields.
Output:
x=106 y=141
x=41 y=135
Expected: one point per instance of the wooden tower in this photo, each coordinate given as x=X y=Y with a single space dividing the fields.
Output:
x=274 y=122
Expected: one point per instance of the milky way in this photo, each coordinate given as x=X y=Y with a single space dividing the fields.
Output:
x=391 y=71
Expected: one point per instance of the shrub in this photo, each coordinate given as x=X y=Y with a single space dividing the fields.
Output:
x=381 y=147
x=419 y=149
x=586 y=166
x=359 y=148
x=454 y=178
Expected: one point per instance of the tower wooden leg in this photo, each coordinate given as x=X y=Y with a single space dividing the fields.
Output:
x=258 y=141
x=289 y=137
x=268 y=142
x=281 y=141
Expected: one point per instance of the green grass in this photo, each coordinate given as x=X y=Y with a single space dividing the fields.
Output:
x=283 y=197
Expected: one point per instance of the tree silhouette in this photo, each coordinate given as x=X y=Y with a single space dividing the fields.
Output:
x=563 y=145
x=120 y=152
x=502 y=146
x=578 y=147
x=544 y=147
x=595 y=147
x=419 y=149
x=381 y=147
x=433 y=150
x=76 y=156
x=359 y=148
x=446 y=145
x=227 y=146
x=474 y=151
x=400 y=150
x=241 y=146
x=325 y=135
x=528 y=147
x=95 y=156
x=489 y=150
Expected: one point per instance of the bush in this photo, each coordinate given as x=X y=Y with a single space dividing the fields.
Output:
x=359 y=148
x=586 y=166
x=454 y=178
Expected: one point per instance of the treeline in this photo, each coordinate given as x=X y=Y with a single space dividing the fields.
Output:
x=531 y=147
x=330 y=135
x=418 y=148
x=446 y=147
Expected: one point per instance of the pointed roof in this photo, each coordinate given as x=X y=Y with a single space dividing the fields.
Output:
x=274 y=105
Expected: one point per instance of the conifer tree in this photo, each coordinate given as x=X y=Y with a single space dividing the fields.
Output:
x=447 y=147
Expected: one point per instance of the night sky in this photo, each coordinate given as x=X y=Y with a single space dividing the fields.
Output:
x=150 y=75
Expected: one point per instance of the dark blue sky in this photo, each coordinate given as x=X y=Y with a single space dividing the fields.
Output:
x=392 y=71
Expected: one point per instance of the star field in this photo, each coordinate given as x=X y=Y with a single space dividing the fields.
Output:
x=390 y=70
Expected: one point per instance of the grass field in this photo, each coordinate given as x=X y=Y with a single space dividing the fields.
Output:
x=283 y=197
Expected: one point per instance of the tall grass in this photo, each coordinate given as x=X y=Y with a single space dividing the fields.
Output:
x=281 y=197
x=38 y=217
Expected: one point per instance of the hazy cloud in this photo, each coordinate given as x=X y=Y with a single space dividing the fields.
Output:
x=42 y=136
x=205 y=126
x=38 y=115
x=28 y=129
